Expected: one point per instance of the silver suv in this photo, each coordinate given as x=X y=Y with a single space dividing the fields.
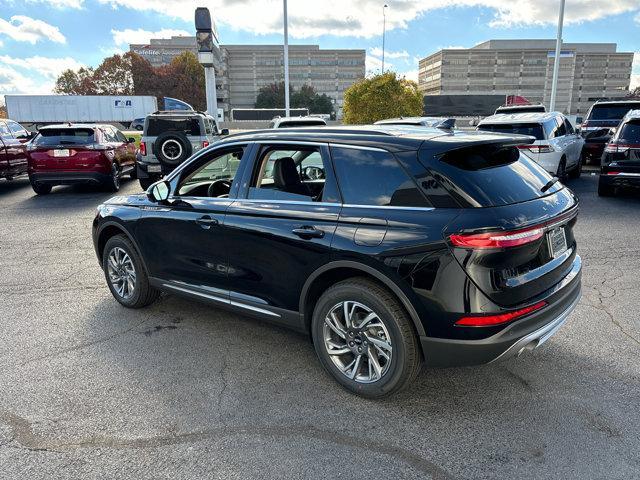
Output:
x=169 y=138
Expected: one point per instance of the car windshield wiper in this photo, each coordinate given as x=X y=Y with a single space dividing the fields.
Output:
x=549 y=184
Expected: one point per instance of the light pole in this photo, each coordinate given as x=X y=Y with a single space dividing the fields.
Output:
x=286 y=61
x=205 y=38
x=384 y=29
x=556 y=62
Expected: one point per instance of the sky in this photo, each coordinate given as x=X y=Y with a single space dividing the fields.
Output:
x=41 y=38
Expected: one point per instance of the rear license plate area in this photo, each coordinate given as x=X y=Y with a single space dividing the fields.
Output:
x=153 y=168
x=557 y=241
x=61 y=152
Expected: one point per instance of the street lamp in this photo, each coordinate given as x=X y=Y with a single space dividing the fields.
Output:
x=556 y=62
x=286 y=61
x=206 y=38
x=384 y=28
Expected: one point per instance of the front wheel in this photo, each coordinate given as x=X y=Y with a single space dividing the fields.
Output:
x=41 y=189
x=125 y=274
x=365 y=339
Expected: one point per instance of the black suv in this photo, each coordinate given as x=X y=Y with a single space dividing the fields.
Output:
x=621 y=159
x=389 y=245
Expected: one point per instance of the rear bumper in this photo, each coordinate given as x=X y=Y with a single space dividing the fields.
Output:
x=593 y=150
x=68 y=178
x=516 y=338
x=622 y=179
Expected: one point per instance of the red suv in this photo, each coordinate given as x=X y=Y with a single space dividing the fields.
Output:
x=13 y=151
x=77 y=153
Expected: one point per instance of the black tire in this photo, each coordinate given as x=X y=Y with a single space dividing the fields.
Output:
x=605 y=190
x=172 y=148
x=133 y=174
x=139 y=128
x=143 y=293
x=113 y=182
x=405 y=359
x=145 y=183
x=41 y=189
x=562 y=169
x=577 y=171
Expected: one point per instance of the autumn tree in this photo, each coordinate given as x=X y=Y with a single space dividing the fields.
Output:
x=272 y=96
x=79 y=82
x=381 y=96
x=184 y=78
x=3 y=111
x=114 y=76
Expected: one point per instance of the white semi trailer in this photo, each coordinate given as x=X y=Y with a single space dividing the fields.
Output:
x=46 y=109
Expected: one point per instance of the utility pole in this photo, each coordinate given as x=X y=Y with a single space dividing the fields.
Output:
x=384 y=29
x=286 y=61
x=556 y=63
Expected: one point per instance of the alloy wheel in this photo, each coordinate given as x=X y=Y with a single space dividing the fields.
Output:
x=172 y=149
x=122 y=273
x=357 y=342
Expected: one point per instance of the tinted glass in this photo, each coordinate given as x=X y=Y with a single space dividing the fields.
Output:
x=218 y=167
x=15 y=127
x=158 y=125
x=65 y=136
x=611 y=112
x=630 y=133
x=531 y=129
x=368 y=177
x=489 y=176
x=568 y=127
x=538 y=108
x=120 y=137
x=5 y=134
x=561 y=131
x=301 y=124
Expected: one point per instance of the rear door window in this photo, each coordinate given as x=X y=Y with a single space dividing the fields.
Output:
x=65 y=136
x=530 y=129
x=630 y=133
x=372 y=177
x=489 y=175
x=158 y=125
x=5 y=133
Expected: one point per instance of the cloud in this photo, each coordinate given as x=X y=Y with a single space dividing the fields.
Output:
x=373 y=65
x=129 y=35
x=60 y=3
x=410 y=75
x=377 y=51
x=363 y=18
x=32 y=74
x=26 y=29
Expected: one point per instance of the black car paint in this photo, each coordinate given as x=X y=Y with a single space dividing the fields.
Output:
x=250 y=258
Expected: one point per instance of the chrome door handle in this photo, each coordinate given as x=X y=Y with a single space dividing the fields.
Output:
x=206 y=222
x=306 y=232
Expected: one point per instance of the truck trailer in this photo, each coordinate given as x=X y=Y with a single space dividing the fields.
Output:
x=48 y=109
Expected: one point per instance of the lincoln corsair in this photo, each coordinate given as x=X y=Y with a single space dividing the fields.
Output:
x=391 y=246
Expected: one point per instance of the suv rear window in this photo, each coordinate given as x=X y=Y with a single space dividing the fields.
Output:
x=65 y=136
x=532 y=109
x=531 y=129
x=630 y=132
x=158 y=125
x=611 y=112
x=301 y=124
x=489 y=175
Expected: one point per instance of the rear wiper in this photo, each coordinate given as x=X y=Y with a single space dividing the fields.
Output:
x=549 y=184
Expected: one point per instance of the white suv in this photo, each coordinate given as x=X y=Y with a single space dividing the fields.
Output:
x=558 y=147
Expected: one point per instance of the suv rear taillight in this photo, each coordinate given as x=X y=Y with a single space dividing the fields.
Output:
x=513 y=238
x=492 y=320
x=537 y=148
x=143 y=149
x=205 y=144
x=620 y=147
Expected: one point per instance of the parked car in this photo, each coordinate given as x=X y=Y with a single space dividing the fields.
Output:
x=600 y=123
x=443 y=123
x=557 y=146
x=169 y=138
x=621 y=159
x=289 y=122
x=533 y=108
x=13 y=151
x=80 y=153
x=137 y=124
x=447 y=248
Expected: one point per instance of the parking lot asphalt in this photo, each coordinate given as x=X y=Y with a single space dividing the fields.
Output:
x=89 y=389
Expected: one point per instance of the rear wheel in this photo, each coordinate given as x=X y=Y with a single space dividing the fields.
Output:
x=562 y=169
x=41 y=189
x=365 y=339
x=113 y=183
x=133 y=174
x=125 y=274
x=577 y=171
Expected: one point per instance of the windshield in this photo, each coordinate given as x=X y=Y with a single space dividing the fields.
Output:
x=531 y=129
x=158 y=125
x=65 y=136
x=611 y=112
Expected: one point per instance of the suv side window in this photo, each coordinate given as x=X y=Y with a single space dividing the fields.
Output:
x=17 y=130
x=373 y=177
x=293 y=173
x=568 y=127
x=5 y=133
x=561 y=131
x=550 y=127
x=120 y=136
x=212 y=176
x=109 y=136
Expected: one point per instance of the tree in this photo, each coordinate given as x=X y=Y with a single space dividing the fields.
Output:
x=3 y=111
x=381 y=96
x=272 y=96
x=76 y=83
x=113 y=76
x=185 y=79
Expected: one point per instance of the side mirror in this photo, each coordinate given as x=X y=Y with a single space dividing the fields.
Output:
x=579 y=120
x=159 y=191
x=131 y=140
x=224 y=131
